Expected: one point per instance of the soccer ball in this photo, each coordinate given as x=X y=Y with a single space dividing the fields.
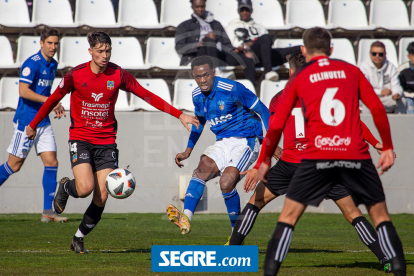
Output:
x=120 y=183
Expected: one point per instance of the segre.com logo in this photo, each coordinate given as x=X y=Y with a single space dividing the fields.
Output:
x=205 y=258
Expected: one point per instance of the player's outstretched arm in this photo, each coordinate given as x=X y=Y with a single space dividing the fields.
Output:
x=189 y=120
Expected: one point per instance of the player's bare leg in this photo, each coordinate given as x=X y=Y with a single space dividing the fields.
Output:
x=206 y=170
x=365 y=231
x=15 y=163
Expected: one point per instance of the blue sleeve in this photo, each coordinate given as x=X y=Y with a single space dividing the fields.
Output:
x=196 y=133
x=263 y=112
x=28 y=72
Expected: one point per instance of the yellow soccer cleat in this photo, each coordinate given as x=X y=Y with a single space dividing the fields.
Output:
x=179 y=219
x=228 y=241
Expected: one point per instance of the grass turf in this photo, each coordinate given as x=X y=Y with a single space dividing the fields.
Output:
x=323 y=244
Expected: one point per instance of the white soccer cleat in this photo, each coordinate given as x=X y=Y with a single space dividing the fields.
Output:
x=179 y=219
x=52 y=216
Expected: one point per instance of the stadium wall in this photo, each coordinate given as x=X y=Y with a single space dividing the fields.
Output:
x=148 y=143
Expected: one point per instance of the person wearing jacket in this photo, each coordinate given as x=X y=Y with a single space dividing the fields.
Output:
x=407 y=78
x=202 y=35
x=383 y=77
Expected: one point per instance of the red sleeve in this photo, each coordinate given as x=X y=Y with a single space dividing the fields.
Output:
x=368 y=135
x=273 y=103
x=371 y=100
x=130 y=84
x=285 y=104
x=65 y=87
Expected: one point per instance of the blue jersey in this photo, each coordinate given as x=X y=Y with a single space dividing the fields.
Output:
x=230 y=110
x=40 y=74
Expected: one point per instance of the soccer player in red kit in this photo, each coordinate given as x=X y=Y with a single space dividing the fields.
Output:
x=329 y=92
x=94 y=90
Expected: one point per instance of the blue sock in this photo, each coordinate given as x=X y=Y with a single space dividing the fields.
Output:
x=49 y=186
x=5 y=172
x=232 y=200
x=192 y=195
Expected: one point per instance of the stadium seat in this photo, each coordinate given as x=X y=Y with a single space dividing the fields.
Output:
x=122 y=102
x=14 y=13
x=9 y=92
x=138 y=14
x=74 y=51
x=364 y=48
x=174 y=12
x=284 y=43
x=133 y=60
x=248 y=84
x=224 y=11
x=343 y=49
x=305 y=14
x=348 y=14
x=56 y=13
x=402 y=49
x=66 y=99
x=270 y=88
x=95 y=13
x=157 y=86
x=269 y=14
x=183 y=98
x=389 y=14
x=28 y=46
x=161 y=53
x=6 y=54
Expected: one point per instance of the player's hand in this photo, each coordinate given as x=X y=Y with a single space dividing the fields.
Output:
x=30 y=132
x=262 y=173
x=181 y=157
x=59 y=111
x=385 y=161
x=251 y=180
x=188 y=119
x=278 y=153
x=378 y=147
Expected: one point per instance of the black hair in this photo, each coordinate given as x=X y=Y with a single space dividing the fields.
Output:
x=201 y=60
x=410 y=48
x=296 y=60
x=48 y=31
x=98 y=37
x=191 y=1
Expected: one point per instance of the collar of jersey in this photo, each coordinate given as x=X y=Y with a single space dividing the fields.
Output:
x=43 y=59
x=318 y=58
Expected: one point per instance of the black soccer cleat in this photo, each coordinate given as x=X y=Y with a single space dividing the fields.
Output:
x=61 y=196
x=78 y=246
x=386 y=265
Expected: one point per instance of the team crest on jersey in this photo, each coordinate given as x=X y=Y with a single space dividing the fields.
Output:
x=110 y=85
x=74 y=158
x=221 y=105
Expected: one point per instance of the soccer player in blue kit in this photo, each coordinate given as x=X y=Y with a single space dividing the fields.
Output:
x=232 y=112
x=36 y=79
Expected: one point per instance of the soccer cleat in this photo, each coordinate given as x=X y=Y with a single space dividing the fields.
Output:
x=52 y=216
x=386 y=265
x=179 y=219
x=61 y=196
x=78 y=246
x=228 y=241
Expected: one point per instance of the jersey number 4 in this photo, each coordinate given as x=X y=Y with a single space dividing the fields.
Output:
x=332 y=110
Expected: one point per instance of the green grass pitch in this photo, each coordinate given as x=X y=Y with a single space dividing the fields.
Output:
x=323 y=244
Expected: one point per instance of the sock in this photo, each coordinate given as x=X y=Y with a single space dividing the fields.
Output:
x=232 y=200
x=277 y=248
x=91 y=218
x=70 y=188
x=244 y=224
x=192 y=196
x=79 y=234
x=368 y=236
x=391 y=246
x=5 y=172
x=49 y=186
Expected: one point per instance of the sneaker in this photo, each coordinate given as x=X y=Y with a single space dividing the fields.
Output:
x=386 y=265
x=179 y=219
x=228 y=241
x=78 y=246
x=272 y=76
x=52 y=216
x=61 y=196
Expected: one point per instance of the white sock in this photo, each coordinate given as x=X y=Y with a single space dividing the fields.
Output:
x=232 y=229
x=79 y=234
x=189 y=214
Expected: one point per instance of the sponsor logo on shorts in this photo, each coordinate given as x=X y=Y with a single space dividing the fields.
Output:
x=114 y=155
x=84 y=156
x=74 y=158
x=110 y=85
x=338 y=164
x=219 y=120
x=26 y=71
x=326 y=143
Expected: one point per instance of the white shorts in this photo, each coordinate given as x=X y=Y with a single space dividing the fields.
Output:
x=240 y=153
x=20 y=145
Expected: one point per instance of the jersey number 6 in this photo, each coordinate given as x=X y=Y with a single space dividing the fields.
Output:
x=332 y=110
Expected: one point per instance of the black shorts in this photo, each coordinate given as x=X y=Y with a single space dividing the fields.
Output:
x=314 y=179
x=282 y=173
x=99 y=156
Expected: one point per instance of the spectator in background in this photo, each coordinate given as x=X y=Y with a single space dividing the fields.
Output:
x=407 y=78
x=202 y=35
x=247 y=35
x=383 y=77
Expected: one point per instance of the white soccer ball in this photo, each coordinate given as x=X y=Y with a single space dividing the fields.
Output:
x=120 y=183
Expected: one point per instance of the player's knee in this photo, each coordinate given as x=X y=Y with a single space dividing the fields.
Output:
x=84 y=189
x=227 y=184
x=52 y=163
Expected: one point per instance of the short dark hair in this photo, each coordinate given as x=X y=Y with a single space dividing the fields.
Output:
x=98 y=37
x=378 y=44
x=296 y=60
x=201 y=60
x=317 y=40
x=48 y=31
x=191 y=1
x=410 y=48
